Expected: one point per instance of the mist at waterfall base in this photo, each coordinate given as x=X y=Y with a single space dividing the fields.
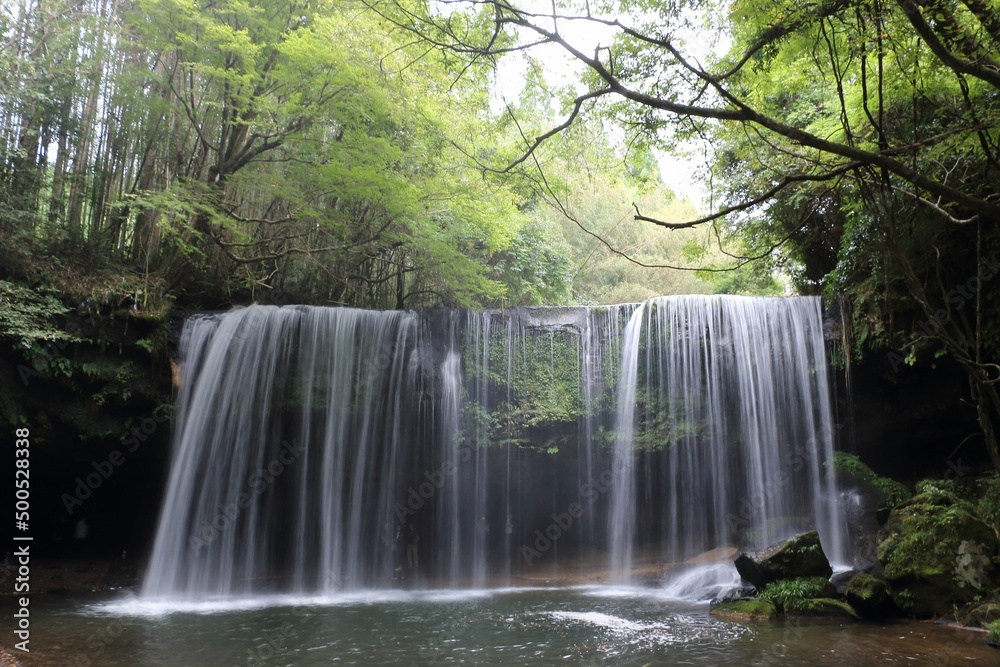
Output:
x=319 y=450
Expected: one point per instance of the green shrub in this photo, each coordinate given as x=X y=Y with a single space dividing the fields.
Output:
x=993 y=633
x=821 y=607
x=782 y=591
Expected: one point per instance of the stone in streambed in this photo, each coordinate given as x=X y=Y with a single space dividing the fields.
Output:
x=798 y=556
x=745 y=609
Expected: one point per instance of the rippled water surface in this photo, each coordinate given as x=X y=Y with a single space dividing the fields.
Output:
x=588 y=626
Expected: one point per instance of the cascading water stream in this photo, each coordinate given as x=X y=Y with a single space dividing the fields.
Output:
x=319 y=449
x=728 y=401
x=621 y=525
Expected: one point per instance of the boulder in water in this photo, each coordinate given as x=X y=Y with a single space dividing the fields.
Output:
x=798 y=556
x=841 y=579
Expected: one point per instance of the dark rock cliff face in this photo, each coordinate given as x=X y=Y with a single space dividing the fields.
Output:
x=910 y=423
x=98 y=413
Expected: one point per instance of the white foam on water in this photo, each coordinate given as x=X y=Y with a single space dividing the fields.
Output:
x=701 y=583
x=138 y=606
x=607 y=621
x=671 y=630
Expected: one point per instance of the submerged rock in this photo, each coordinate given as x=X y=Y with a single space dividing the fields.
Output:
x=869 y=596
x=937 y=553
x=745 y=609
x=799 y=556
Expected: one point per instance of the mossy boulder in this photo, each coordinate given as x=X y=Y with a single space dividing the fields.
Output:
x=869 y=596
x=866 y=500
x=852 y=473
x=799 y=556
x=745 y=609
x=820 y=608
x=936 y=553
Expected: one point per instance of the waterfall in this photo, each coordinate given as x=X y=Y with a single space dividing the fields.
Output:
x=276 y=473
x=320 y=449
x=621 y=524
x=726 y=402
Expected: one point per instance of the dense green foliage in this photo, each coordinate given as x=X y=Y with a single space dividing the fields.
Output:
x=294 y=151
x=27 y=316
x=528 y=395
x=164 y=151
x=936 y=551
x=993 y=634
x=781 y=592
x=988 y=508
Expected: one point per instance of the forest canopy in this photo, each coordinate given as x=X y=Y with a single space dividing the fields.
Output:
x=228 y=152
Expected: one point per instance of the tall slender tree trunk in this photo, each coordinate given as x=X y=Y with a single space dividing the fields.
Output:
x=82 y=160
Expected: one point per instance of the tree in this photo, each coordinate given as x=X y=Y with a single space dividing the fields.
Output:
x=858 y=139
x=228 y=152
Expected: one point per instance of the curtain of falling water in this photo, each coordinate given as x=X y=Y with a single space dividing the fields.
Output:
x=307 y=441
x=278 y=478
x=731 y=395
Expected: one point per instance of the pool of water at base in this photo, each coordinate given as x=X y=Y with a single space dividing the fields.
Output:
x=582 y=626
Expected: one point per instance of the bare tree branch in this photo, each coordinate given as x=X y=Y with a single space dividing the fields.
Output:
x=756 y=201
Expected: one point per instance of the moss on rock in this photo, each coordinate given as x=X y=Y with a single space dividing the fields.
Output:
x=870 y=596
x=745 y=609
x=853 y=472
x=937 y=553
